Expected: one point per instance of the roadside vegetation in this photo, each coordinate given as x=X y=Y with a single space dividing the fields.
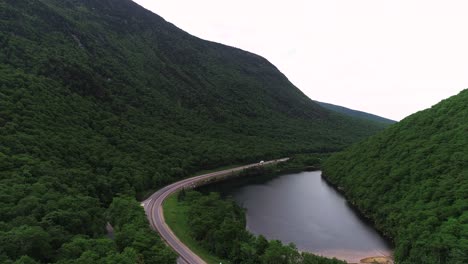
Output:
x=133 y=241
x=176 y=217
x=412 y=181
x=215 y=227
x=300 y=162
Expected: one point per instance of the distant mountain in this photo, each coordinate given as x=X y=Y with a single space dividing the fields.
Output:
x=356 y=113
x=102 y=98
x=412 y=180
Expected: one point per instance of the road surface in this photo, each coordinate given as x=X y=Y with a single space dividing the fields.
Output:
x=154 y=210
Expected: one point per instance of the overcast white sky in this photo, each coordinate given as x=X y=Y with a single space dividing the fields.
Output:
x=390 y=58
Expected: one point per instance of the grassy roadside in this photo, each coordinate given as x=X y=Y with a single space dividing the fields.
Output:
x=175 y=214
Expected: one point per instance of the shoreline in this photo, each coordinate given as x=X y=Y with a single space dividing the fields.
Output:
x=350 y=257
x=355 y=257
x=356 y=209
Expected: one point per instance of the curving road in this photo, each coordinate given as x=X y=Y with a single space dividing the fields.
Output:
x=154 y=210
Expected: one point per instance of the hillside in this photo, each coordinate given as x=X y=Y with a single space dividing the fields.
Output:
x=102 y=100
x=412 y=180
x=356 y=113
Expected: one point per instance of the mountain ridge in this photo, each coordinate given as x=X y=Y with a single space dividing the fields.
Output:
x=412 y=180
x=356 y=113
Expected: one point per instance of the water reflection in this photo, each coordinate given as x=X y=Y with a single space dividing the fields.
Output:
x=302 y=208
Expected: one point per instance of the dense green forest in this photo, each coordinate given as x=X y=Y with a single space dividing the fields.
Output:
x=219 y=226
x=356 y=113
x=101 y=99
x=412 y=180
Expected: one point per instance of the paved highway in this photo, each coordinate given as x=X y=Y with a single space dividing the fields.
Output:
x=154 y=210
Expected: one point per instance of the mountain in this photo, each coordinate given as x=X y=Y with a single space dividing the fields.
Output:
x=412 y=181
x=356 y=113
x=102 y=101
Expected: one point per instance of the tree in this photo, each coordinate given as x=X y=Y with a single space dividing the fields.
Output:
x=32 y=241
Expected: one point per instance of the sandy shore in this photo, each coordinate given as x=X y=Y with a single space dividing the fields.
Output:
x=358 y=257
x=379 y=260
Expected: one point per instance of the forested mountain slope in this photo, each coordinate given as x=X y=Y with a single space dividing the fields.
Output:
x=412 y=180
x=101 y=98
x=356 y=113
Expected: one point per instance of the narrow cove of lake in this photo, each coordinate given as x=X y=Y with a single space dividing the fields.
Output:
x=304 y=209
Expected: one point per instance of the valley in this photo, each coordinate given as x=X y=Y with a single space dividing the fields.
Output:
x=103 y=103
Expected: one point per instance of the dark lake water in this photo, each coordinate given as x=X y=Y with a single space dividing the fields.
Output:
x=302 y=208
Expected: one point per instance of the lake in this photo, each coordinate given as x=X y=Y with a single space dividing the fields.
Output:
x=304 y=209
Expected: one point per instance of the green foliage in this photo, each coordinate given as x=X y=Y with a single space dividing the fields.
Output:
x=412 y=180
x=132 y=232
x=26 y=240
x=25 y=260
x=219 y=226
x=134 y=241
x=102 y=98
x=300 y=162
